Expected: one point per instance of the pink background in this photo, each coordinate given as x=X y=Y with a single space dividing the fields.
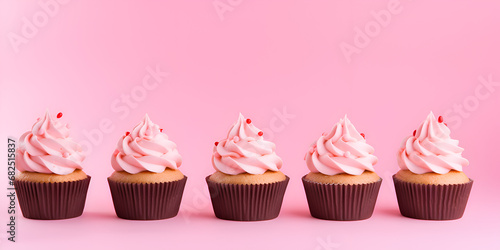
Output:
x=261 y=56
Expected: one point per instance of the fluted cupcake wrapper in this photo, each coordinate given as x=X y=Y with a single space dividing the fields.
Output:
x=52 y=201
x=342 y=202
x=147 y=201
x=432 y=202
x=247 y=202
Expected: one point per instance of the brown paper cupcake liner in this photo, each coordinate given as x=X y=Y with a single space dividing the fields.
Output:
x=147 y=201
x=432 y=202
x=52 y=201
x=342 y=202
x=247 y=202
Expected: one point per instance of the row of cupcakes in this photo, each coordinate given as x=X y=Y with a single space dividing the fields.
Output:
x=247 y=184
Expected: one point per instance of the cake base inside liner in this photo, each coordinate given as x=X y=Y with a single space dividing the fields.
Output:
x=147 y=201
x=247 y=202
x=432 y=202
x=341 y=202
x=52 y=201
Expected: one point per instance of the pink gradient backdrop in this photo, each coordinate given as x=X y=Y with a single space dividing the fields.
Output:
x=263 y=56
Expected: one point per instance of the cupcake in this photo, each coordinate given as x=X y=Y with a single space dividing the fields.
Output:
x=247 y=184
x=146 y=183
x=50 y=184
x=342 y=184
x=431 y=184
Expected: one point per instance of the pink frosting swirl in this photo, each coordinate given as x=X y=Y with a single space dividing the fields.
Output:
x=343 y=150
x=146 y=148
x=431 y=149
x=245 y=151
x=48 y=149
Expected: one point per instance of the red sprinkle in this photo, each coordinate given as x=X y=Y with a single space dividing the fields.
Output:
x=249 y=121
x=414 y=132
x=127 y=133
x=440 y=119
x=362 y=134
x=59 y=115
x=445 y=124
x=260 y=133
x=216 y=143
x=161 y=130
